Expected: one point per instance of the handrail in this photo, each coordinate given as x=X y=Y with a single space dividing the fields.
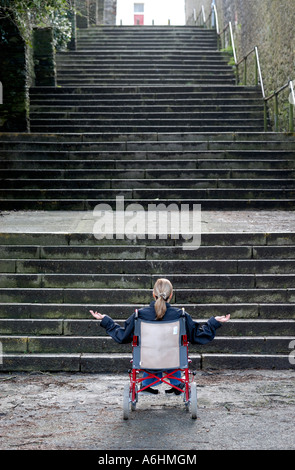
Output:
x=213 y=11
x=258 y=74
x=229 y=26
x=200 y=16
x=275 y=95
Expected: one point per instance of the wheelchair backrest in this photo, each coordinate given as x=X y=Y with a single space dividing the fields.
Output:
x=159 y=345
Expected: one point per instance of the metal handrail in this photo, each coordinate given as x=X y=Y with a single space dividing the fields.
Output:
x=275 y=95
x=200 y=17
x=213 y=11
x=229 y=26
x=258 y=74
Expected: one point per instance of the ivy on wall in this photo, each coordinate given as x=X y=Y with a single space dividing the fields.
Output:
x=39 y=13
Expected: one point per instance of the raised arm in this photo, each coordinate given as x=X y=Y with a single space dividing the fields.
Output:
x=118 y=333
x=203 y=334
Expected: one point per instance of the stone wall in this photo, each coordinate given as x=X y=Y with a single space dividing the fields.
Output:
x=268 y=24
x=96 y=12
x=44 y=57
x=14 y=73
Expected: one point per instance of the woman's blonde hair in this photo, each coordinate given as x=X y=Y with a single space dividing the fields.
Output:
x=162 y=291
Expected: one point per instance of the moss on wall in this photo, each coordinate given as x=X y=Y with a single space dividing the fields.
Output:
x=14 y=78
x=268 y=24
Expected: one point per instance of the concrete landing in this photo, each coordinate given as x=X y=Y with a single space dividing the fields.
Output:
x=83 y=222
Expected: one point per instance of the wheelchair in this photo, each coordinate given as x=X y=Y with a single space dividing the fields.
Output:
x=160 y=347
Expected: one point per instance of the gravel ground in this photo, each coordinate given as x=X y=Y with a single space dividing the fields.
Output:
x=236 y=410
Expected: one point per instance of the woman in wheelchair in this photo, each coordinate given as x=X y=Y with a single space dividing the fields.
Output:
x=161 y=310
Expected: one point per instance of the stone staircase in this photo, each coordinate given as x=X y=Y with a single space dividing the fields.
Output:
x=151 y=114
x=151 y=79
x=50 y=281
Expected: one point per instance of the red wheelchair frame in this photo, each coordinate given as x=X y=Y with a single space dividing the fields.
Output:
x=132 y=390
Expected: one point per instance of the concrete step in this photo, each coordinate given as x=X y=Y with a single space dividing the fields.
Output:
x=218 y=163
x=143 y=109
x=200 y=157
x=189 y=91
x=144 y=281
x=101 y=295
x=161 y=80
x=148 y=174
x=103 y=142
x=150 y=195
x=135 y=184
x=150 y=266
x=82 y=129
x=89 y=328
x=144 y=116
x=96 y=344
x=90 y=204
x=274 y=315
x=67 y=66
x=118 y=363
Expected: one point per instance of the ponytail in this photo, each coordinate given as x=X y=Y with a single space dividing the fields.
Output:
x=162 y=291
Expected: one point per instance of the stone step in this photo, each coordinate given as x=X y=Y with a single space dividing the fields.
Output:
x=151 y=195
x=156 y=92
x=145 y=44
x=140 y=35
x=145 y=281
x=111 y=102
x=69 y=313
x=158 y=53
x=139 y=76
x=141 y=62
x=96 y=295
x=143 y=251
x=81 y=129
x=168 y=121
x=85 y=328
x=132 y=184
x=144 y=116
x=150 y=266
x=148 y=109
x=91 y=143
x=95 y=344
x=119 y=363
x=274 y=239
x=200 y=157
x=148 y=174
x=161 y=80
x=89 y=204
x=65 y=67
x=219 y=163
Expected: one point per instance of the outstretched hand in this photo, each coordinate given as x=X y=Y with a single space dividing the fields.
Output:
x=223 y=319
x=97 y=315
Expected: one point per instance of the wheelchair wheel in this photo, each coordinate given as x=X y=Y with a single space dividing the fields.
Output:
x=126 y=402
x=193 y=400
x=133 y=403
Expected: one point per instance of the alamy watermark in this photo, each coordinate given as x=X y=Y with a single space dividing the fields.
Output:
x=292 y=353
x=159 y=220
x=1 y=93
x=1 y=353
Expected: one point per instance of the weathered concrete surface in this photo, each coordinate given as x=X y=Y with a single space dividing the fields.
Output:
x=83 y=222
x=237 y=410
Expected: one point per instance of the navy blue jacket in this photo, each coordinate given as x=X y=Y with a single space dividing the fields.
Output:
x=196 y=334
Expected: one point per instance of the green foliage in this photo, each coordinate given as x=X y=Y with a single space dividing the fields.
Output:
x=39 y=13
